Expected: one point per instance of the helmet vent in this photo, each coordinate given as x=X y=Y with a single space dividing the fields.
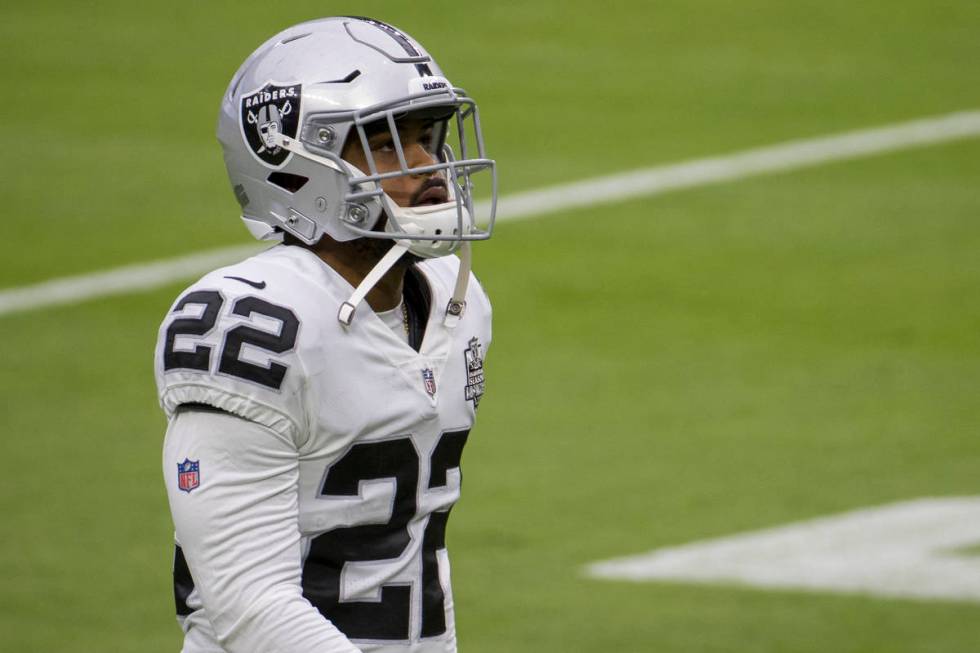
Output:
x=354 y=74
x=295 y=38
x=287 y=181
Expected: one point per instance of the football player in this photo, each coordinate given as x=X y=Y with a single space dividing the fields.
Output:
x=320 y=393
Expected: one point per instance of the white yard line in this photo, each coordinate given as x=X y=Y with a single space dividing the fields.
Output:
x=791 y=155
x=130 y=278
x=644 y=182
x=910 y=549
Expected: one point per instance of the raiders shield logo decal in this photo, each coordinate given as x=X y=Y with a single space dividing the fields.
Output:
x=270 y=110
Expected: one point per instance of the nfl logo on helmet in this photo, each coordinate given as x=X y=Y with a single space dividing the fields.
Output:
x=188 y=474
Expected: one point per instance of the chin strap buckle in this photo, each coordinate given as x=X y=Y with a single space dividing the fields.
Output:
x=346 y=314
x=455 y=308
x=457 y=304
x=454 y=311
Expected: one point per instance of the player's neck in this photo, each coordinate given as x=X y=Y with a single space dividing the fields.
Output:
x=354 y=261
x=387 y=293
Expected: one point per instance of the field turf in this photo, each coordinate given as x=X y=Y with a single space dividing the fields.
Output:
x=663 y=370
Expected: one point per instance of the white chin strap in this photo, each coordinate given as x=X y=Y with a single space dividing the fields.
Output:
x=346 y=314
x=457 y=303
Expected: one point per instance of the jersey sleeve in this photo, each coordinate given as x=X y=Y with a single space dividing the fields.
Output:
x=239 y=351
x=237 y=525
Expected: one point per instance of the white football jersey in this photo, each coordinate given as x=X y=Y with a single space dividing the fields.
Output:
x=377 y=430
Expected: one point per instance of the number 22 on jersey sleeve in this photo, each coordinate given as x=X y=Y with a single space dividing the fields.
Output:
x=230 y=362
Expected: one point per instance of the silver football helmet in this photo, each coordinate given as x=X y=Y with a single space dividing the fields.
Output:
x=294 y=104
x=291 y=108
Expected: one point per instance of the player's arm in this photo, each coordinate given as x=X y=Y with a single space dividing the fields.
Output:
x=239 y=533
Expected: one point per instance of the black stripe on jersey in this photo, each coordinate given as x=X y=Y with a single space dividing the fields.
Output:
x=207 y=408
x=401 y=39
x=417 y=303
x=183 y=583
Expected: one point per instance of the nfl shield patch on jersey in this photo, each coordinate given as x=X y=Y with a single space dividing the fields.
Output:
x=188 y=474
x=429 y=380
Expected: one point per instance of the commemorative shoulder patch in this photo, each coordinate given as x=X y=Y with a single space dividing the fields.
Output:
x=272 y=109
x=188 y=474
x=475 y=384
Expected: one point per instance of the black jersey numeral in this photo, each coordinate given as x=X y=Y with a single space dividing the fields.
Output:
x=277 y=343
x=446 y=455
x=235 y=339
x=388 y=616
x=200 y=358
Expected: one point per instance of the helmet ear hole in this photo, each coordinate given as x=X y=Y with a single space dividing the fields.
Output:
x=286 y=181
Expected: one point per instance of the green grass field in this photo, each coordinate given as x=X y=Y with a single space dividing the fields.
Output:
x=664 y=370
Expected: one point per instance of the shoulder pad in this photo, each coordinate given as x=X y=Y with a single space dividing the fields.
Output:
x=231 y=342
